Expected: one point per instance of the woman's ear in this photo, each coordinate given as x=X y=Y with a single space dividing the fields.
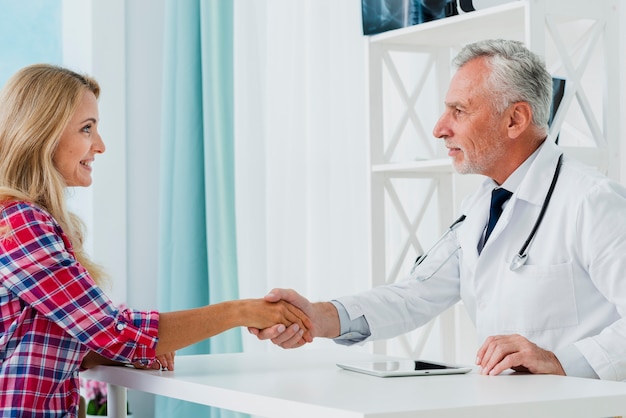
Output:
x=520 y=117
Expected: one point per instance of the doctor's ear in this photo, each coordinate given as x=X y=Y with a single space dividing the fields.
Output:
x=520 y=117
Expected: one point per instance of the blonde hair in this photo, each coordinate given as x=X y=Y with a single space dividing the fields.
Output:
x=35 y=106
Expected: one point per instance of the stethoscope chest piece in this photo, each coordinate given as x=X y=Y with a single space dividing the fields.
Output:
x=518 y=261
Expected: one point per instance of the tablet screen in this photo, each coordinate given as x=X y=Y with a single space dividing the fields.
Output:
x=404 y=367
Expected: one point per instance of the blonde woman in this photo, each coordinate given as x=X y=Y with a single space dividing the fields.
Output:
x=55 y=317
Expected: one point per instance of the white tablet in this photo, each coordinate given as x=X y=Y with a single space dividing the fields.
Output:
x=406 y=367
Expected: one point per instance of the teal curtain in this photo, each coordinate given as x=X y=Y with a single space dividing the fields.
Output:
x=197 y=256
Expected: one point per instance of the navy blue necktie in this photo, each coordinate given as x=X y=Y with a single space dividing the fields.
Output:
x=498 y=197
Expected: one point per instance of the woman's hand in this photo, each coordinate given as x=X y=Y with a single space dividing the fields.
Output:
x=165 y=361
x=162 y=362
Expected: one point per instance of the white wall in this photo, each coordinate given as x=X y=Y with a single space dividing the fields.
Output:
x=144 y=61
x=622 y=45
x=144 y=72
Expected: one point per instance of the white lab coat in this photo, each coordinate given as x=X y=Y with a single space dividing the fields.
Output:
x=572 y=289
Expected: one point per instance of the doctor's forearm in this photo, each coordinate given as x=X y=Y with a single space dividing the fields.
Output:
x=326 y=320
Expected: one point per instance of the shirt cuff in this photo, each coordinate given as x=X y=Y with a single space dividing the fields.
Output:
x=574 y=363
x=138 y=331
x=351 y=331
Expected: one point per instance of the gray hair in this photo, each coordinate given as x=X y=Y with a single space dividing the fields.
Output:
x=517 y=75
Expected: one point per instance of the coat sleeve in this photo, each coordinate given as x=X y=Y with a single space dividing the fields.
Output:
x=394 y=309
x=601 y=224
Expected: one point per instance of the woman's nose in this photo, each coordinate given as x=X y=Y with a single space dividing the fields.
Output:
x=99 y=146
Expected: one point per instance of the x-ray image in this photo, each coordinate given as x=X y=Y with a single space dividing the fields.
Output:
x=383 y=15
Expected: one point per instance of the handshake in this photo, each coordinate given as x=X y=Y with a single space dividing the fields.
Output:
x=298 y=320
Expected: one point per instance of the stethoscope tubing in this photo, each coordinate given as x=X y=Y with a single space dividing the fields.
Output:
x=521 y=256
x=522 y=252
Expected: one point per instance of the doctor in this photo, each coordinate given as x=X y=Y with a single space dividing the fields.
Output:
x=547 y=301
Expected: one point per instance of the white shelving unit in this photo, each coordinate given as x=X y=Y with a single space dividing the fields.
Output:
x=415 y=193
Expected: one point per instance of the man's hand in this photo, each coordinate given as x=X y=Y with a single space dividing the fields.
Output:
x=502 y=352
x=323 y=316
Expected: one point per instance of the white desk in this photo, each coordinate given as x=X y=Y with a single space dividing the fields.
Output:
x=306 y=383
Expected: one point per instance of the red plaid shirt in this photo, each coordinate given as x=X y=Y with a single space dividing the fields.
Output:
x=52 y=314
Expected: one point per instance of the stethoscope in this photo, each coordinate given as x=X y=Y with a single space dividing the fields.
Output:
x=520 y=258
